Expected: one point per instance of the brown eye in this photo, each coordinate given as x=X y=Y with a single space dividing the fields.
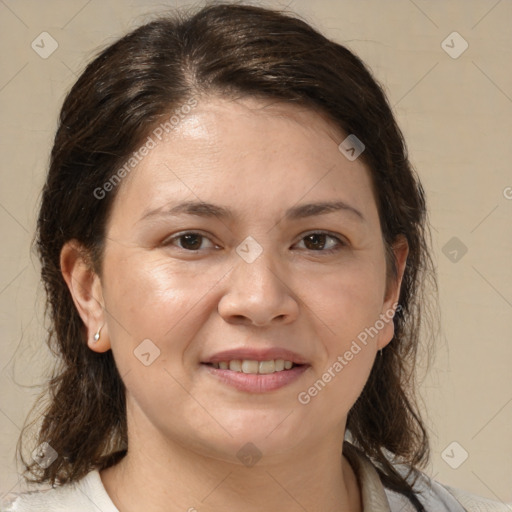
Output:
x=322 y=242
x=189 y=241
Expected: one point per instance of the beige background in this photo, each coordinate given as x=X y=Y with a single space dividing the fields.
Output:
x=456 y=115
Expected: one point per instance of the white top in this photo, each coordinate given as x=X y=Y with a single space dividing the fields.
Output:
x=89 y=494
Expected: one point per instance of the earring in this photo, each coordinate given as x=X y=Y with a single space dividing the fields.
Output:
x=96 y=337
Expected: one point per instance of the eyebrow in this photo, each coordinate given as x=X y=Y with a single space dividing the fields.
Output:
x=204 y=209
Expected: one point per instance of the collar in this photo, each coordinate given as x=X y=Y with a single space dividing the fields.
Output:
x=373 y=495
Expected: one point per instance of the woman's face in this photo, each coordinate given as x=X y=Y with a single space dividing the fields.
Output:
x=211 y=249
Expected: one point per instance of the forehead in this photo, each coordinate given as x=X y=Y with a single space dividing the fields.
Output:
x=248 y=152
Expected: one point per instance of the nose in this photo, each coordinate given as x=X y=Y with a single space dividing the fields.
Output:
x=257 y=294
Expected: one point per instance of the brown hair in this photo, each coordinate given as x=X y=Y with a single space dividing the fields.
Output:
x=224 y=49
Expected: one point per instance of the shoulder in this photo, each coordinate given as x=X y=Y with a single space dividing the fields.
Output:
x=85 y=495
x=435 y=496
x=66 y=497
x=474 y=503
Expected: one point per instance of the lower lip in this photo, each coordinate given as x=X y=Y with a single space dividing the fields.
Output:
x=257 y=382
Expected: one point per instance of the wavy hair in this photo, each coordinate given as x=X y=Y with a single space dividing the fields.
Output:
x=231 y=50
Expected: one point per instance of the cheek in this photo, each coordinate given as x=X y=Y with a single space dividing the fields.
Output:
x=347 y=308
x=348 y=300
x=346 y=312
x=148 y=298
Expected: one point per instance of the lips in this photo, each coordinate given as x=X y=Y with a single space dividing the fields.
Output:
x=255 y=383
x=256 y=355
x=256 y=370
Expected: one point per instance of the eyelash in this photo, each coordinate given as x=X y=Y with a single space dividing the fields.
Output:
x=340 y=243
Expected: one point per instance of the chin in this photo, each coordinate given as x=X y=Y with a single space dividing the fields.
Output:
x=254 y=434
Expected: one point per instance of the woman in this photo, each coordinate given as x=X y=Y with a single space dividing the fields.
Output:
x=234 y=249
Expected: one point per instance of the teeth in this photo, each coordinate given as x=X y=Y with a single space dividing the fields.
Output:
x=255 y=367
x=235 y=365
x=267 y=367
x=249 y=366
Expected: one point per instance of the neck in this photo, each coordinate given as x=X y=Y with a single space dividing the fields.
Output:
x=190 y=483
x=164 y=476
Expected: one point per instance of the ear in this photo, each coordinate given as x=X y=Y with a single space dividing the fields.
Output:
x=400 y=251
x=85 y=288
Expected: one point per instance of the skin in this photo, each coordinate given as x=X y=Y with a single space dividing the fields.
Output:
x=257 y=158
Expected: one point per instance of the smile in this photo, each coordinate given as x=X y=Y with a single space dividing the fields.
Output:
x=255 y=367
x=255 y=376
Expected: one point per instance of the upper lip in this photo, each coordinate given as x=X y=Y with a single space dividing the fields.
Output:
x=253 y=354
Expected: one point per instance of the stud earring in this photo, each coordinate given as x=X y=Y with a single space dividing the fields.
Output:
x=96 y=337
